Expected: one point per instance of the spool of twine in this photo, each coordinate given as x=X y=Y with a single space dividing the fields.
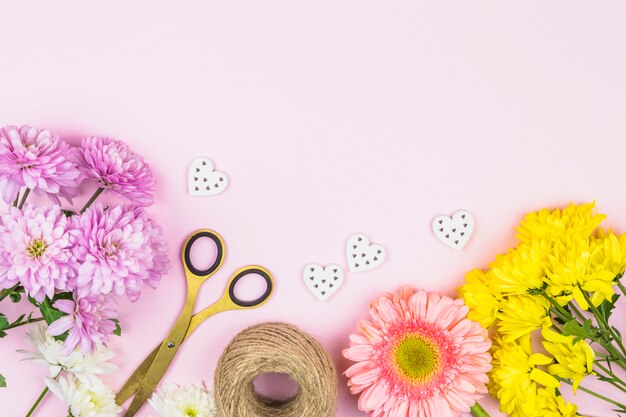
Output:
x=275 y=348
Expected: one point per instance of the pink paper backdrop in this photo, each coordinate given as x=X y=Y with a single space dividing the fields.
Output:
x=330 y=117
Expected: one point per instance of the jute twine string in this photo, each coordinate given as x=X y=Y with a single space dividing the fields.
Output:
x=275 y=348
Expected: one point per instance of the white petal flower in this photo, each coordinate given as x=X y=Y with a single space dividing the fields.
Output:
x=49 y=352
x=187 y=401
x=85 y=400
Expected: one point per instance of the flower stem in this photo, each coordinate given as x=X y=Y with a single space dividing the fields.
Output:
x=92 y=199
x=24 y=197
x=621 y=287
x=13 y=326
x=603 y=323
x=17 y=199
x=577 y=311
x=32 y=409
x=564 y=314
x=595 y=394
x=610 y=377
x=5 y=293
x=478 y=411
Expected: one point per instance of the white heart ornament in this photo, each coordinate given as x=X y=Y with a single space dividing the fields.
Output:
x=363 y=255
x=203 y=180
x=323 y=281
x=454 y=231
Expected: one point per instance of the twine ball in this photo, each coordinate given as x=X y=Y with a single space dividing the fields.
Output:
x=275 y=348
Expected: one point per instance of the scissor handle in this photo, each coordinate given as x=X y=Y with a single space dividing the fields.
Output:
x=241 y=274
x=219 y=258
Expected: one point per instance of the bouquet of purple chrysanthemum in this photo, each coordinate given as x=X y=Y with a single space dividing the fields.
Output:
x=71 y=265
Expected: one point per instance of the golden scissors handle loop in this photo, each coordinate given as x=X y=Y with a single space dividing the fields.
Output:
x=190 y=269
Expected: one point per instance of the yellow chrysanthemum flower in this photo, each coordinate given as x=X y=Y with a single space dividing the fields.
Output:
x=520 y=315
x=559 y=225
x=574 y=360
x=522 y=269
x=515 y=376
x=552 y=405
x=480 y=297
x=569 y=274
x=608 y=256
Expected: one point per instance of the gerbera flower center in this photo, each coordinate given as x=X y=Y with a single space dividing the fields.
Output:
x=37 y=248
x=416 y=357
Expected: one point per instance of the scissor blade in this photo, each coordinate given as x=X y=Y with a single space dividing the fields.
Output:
x=155 y=373
x=134 y=381
x=162 y=361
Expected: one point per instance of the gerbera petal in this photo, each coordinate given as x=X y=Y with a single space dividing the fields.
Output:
x=373 y=397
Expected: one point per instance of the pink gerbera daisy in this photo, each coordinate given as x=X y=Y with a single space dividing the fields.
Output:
x=37 y=160
x=119 y=249
x=419 y=356
x=115 y=167
x=36 y=251
x=89 y=320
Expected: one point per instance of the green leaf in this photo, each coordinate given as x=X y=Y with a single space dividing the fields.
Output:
x=607 y=306
x=4 y=323
x=617 y=333
x=118 y=328
x=63 y=296
x=3 y=381
x=49 y=313
x=573 y=328
x=15 y=297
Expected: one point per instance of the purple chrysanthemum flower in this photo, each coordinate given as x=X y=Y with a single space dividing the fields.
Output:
x=119 y=249
x=36 y=250
x=89 y=320
x=37 y=160
x=115 y=167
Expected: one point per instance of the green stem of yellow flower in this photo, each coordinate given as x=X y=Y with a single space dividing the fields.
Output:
x=92 y=199
x=610 y=377
x=24 y=197
x=604 y=324
x=621 y=287
x=577 y=311
x=595 y=394
x=557 y=313
x=34 y=407
x=562 y=313
x=478 y=411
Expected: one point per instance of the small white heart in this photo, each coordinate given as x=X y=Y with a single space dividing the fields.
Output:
x=363 y=255
x=322 y=281
x=454 y=231
x=203 y=180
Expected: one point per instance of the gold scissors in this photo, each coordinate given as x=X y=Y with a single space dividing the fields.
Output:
x=146 y=377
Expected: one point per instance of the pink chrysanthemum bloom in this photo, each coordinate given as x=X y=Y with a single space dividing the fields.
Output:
x=115 y=167
x=89 y=321
x=119 y=249
x=419 y=356
x=36 y=250
x=36 y=159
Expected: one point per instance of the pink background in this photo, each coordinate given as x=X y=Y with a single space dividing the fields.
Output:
x=331 y=117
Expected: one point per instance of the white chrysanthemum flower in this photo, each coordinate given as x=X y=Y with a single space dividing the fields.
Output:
x=85 y=400
x=49 y=352
x=187 y=401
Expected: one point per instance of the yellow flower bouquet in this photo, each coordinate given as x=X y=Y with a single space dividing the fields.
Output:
x=548 y=302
